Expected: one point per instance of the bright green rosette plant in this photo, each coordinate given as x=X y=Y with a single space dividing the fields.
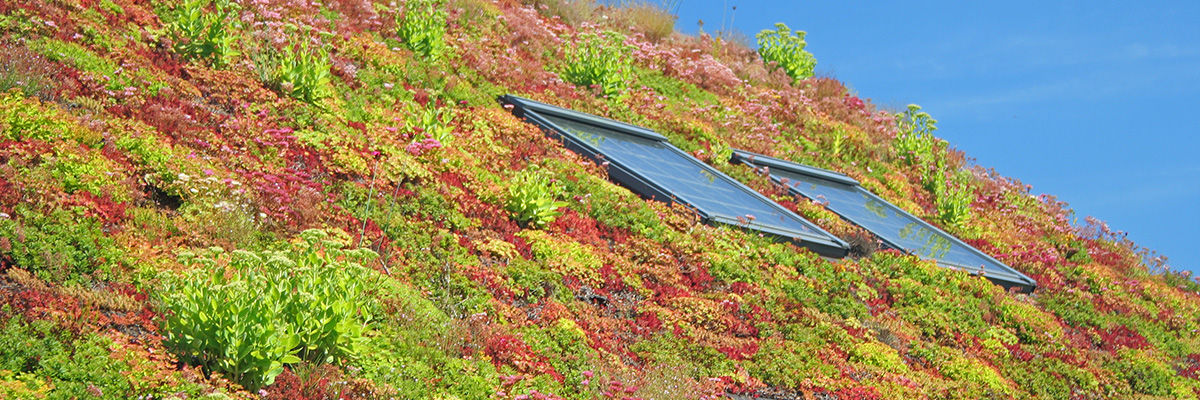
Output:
x=246 y=314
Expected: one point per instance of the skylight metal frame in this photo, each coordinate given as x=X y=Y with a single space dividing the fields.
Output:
x=1015 y=279
x=818 y=240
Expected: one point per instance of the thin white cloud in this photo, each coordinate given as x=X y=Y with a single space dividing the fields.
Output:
x=1160 y=51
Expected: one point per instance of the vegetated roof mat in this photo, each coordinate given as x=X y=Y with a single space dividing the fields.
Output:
x=647 y=164
x=896 y=228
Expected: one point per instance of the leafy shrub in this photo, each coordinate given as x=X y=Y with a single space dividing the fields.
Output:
x=23 y=118
x=203 y=32
x=532 y=199
x=952 y=193
x=974 y=372
x=22 y=385
x=612 y=205
x=695 y=360
x=39 y=359
x=271 y=308
x=878 y=355
x=298 y=71
x=602 y=61
x=421 y=352
x=786 y=49
x=1144 y=374
x=86 y=172
x=565 y=258
x=789 y=363
x=1051 y=378
x=69 y=365
x=63 y=245
x=566 y=347
x=422 y=27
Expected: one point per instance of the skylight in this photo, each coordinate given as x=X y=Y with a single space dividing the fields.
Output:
x=647 y=164
x=896 y=228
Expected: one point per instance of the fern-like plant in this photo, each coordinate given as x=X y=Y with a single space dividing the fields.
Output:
x=786 y=48
x=603 y=61
x=422 y=27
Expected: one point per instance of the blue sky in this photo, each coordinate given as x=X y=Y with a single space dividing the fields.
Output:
x=1096 y=103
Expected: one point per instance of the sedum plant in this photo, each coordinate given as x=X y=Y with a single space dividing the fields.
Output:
x=203 y=32
x=914 y=139
x=603 y=61
x=265 y=309
x=422 y=27
x=786 y=48
x=532 y=200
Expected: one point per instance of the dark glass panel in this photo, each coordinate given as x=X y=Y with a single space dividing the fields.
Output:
x=896 y=228
x=884 y=219
x=689 y=180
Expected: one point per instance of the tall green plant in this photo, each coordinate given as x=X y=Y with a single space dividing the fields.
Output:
x=532 y=199
x=203 y=32
x=786 y=48
x=915 y=142
x=916 y=146
x=603 y=61
x=268 y=308
x=299 y=71
x=422 y=27
x=952 y=193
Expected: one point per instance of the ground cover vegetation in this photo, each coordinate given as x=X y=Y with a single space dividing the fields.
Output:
x=289 y=199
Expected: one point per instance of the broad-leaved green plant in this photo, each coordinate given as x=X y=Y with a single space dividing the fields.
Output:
x=203 y=32
x=298 y=71
x=532 y=199
x=431 y=121
x=266 y=309
x=422 y=27
x=914 y=138
x=786 y=48
x=603 y=61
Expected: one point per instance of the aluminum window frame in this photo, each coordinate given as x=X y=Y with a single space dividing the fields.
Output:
x=818 y=240
x=1009 y=279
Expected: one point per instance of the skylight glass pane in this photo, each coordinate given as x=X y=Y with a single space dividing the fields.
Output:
x=896 y=228
x=689 y=180
x=884 y=219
